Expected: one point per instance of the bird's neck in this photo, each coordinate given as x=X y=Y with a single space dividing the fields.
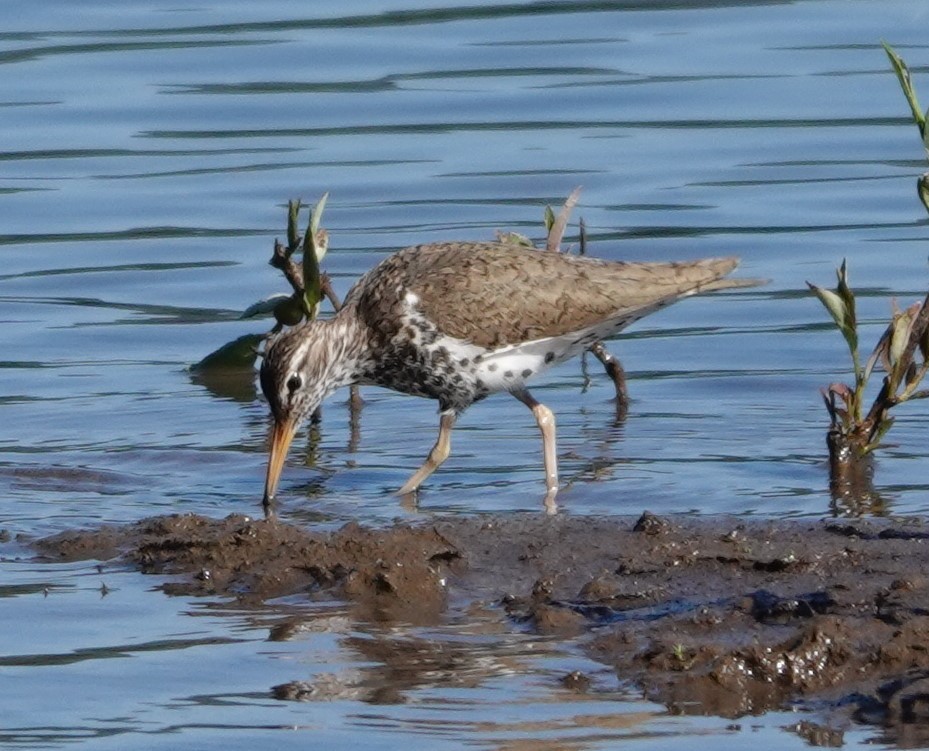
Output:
x=348 y=346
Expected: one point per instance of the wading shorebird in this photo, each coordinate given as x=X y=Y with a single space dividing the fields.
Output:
x=457 y=322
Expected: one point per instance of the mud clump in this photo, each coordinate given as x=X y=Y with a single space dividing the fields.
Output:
x=392 y=574
x=722 y=616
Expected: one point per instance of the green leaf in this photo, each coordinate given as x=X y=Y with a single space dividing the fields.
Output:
x=922 y=189
x=549 y=219
x=312 y=284
x=841 y=306
x=849 y=326
x=315 y=218
x=264 y=307
x=240 y=353
x=899 y=337
x=832 y=302
x=315 y=244
x=925 y=132
x=848 y=297
x=514 y=238
x=293 y=220
x=903 y=76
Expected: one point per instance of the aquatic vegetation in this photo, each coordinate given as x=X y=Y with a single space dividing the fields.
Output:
x=902 y=352
x=308 y=283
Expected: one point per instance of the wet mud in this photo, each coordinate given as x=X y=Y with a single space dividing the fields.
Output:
x=725 y=616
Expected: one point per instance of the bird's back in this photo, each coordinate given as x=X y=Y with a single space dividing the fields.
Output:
x=496 y=294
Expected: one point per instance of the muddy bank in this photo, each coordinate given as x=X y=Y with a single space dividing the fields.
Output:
x=721 y=616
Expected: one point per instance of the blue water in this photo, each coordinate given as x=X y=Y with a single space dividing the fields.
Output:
x=148 y=151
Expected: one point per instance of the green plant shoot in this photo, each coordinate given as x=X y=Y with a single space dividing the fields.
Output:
x=906 y=83
x=907 y=333
x=909 y=91
x=313 y=252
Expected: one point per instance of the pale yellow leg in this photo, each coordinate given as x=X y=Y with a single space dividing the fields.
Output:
x=439 y=453
x=545 y=419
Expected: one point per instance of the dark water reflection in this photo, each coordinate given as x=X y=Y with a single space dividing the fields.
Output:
x=147 y=156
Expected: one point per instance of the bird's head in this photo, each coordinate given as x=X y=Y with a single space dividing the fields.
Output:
x=295 y=378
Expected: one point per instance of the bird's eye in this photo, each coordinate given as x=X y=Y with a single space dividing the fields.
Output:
x=294 y=383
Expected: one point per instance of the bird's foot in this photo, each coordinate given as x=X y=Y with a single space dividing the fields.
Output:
x=548 y=502
x=268 y=505
x=409 y=499
x=409 y=487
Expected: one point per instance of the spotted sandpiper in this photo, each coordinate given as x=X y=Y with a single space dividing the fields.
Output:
x=457 y=322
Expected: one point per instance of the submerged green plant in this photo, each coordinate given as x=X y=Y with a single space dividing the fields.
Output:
x=858 y=432
x=239 y=353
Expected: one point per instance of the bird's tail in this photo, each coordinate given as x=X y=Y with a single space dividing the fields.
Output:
x=731 y=284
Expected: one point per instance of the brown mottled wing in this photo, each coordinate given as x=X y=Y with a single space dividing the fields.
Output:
x=494 y=294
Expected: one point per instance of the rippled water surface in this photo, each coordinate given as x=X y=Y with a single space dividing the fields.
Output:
x=147 y=152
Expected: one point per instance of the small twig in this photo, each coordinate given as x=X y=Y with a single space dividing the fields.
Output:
x=330 y=293
x=281 y=259
x=556 y=233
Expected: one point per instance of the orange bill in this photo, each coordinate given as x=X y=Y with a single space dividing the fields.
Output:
x=281 y=435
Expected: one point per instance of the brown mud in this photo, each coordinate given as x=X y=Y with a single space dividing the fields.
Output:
x=725 y=616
